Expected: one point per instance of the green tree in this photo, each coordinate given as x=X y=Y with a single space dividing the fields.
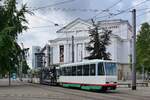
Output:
x=98 y=43
x=12 y=23
x=143 y=48
x=25 y=67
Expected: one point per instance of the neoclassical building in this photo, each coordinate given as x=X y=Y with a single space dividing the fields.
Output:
x=75 y=36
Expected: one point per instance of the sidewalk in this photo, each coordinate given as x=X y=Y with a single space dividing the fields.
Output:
x=5 y=82
x=128 y=83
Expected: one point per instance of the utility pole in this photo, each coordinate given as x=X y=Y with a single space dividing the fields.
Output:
x=133 y=49
x=72 y=49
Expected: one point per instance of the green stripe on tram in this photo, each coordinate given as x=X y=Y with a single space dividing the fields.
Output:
x=91 y=87
x=71 y=85
x=83 y=87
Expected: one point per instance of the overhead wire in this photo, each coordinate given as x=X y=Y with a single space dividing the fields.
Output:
x=143 y=13
x=124 y=11
x=74 y=9
x=47 y=20
x=55 y=4
x=46 y=26
x=67 y=1
x=47 y=6
x=107 y=9
x=142 y=9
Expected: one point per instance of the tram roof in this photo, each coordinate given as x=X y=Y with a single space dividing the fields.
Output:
x=87 y=62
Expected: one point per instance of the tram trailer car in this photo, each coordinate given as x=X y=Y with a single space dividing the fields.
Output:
x=89 y=75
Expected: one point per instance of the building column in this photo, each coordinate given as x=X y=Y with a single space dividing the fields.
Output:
x=83 y=51
x=75 y=52
x=67 y=59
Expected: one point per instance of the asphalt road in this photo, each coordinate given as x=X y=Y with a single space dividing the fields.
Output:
x=25 y=91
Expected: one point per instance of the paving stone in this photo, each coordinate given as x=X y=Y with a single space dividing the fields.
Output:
x=26 y=91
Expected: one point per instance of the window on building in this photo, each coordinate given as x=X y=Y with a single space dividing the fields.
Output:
x=92 y=69
x=86 y=70
x=100 y=69
x=74 y=70
x=79 y=70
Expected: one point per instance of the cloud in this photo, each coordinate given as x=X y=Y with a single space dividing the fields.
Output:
x=44 y=17
x=37 y=35
x=50 y=16
x=135 y=2
x=144 y=14
x=147 y=11
x=47 y=17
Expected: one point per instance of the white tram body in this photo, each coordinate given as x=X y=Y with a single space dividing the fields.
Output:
x=101 y=74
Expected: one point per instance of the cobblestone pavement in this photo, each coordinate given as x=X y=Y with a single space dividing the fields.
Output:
x=25 y=91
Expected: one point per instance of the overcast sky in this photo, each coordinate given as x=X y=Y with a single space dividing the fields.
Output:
x=42 y=23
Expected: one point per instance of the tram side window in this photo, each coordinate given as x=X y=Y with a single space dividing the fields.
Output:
x=64 y=71
x=79 y=70
x=92 y=69
x=74 y=70
x=100 y=69
x=69 y=71
x=86 y=70
x=66 y=74
x=60 y=71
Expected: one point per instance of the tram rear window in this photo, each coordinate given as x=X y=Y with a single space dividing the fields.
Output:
x=100 y=69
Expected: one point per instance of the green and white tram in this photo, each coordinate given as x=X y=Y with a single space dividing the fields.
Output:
x=89 y=75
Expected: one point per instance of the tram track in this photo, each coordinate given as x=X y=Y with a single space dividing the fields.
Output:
x=94 y=95
x=71 y=92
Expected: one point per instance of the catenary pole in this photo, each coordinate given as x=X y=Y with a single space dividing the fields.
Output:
x=133 y=49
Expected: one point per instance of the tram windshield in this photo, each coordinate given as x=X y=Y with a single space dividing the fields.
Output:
x=110 y=68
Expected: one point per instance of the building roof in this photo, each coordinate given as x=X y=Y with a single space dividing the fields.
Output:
x=66 y=28
x=68 y=39
x=44 y=48
x=114 y=21
x=71 y=24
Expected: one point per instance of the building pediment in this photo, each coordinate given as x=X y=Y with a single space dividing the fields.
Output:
x=76 y=25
